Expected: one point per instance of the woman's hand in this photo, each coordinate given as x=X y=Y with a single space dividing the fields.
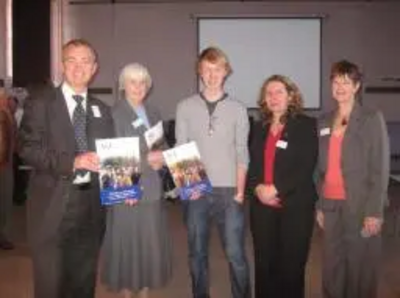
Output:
x=131 y=202
x=266 y=193
x=372 y=226
x=155 y=159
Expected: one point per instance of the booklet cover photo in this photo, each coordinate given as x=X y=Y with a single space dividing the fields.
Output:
x=187 y=170
x=119 y=172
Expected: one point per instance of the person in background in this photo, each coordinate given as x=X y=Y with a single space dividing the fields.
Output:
x=57 y=137
x=353 y=176
x=137 y=246
x=7 y=146
x=219 y=125
x=20 y=173
x=283 y=156
x=16 y=109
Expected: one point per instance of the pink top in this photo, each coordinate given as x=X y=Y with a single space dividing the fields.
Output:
x=333 y=187
x=269 y=156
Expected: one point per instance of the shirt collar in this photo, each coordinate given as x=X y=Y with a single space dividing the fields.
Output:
x=69 y=92
x=224 y=96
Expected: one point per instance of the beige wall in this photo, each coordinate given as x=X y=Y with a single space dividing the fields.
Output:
x=163 y=37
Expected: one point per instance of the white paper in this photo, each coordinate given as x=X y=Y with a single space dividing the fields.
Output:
x=82 y=179
x=154 y=135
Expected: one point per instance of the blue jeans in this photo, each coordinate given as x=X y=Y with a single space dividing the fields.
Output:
x=229 y=217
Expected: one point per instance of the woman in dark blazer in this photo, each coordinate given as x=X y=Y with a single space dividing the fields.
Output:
x=283 y=154
x=353 y=177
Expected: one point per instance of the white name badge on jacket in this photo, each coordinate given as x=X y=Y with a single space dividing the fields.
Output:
x=325 y=131
x=281 y=144
x=137 y=123
x=96 y=112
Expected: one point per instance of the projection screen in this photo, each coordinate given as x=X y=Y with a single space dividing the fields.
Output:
x=260 y=47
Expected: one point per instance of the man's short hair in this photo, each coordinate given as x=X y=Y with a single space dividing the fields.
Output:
x=214 y=55
x=79 y=43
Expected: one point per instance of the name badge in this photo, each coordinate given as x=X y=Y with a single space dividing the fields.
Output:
x=96 y=112
x=325 y=131
x=137 y=123
x=281 y=144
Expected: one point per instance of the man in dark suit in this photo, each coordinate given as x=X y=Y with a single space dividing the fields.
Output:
x=65 y=218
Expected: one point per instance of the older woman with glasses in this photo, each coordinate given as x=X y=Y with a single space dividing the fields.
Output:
x=283 y=155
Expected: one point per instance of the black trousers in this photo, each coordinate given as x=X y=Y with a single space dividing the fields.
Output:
x=67 y=271
x=281 y=242
x=66 y=266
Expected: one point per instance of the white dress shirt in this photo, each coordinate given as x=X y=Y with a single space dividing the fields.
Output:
x=68 y=93
x=70 y=101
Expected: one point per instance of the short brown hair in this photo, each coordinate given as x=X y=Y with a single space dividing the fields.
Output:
x=295 y=105
x=214 y=55
x=344 y=68
x=79 y=43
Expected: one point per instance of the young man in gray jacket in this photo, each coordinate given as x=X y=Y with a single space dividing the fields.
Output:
x=219 y=125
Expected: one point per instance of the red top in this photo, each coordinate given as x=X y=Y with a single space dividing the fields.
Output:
x=333 y=185
x=269 y=156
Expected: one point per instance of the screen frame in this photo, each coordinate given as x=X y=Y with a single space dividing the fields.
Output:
x=199 y=18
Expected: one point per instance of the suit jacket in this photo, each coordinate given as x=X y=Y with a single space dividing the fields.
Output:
x=294 y=165
x=124 y=117
x=47 y=143
x=365 y=160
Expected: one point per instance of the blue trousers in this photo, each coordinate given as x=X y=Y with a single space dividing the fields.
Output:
x=228 y=215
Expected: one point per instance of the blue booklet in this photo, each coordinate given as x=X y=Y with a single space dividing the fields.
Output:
x=119 y=173
x=187 y=170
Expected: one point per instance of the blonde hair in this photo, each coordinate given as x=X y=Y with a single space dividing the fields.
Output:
x=214 y=55
x=134 y=71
